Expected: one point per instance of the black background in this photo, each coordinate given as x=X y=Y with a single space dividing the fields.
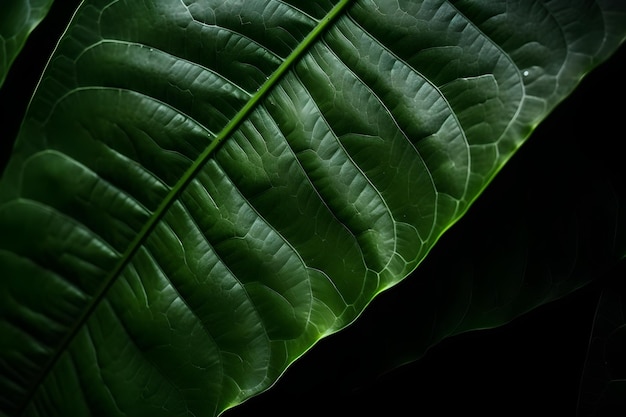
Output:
x=530 y=366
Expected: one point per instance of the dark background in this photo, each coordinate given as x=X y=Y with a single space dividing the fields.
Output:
x=530 y=366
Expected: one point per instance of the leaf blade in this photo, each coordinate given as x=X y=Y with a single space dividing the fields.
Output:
x=18 y=18
x=125 y=157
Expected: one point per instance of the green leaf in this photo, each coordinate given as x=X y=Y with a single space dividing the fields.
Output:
x=204 y=190
x=553 y=243
x=563 y=205
x=18 y=18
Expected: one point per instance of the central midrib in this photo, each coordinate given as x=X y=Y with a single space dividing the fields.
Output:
x=184 y=181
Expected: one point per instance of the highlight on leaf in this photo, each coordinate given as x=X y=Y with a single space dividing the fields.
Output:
x=202 y=190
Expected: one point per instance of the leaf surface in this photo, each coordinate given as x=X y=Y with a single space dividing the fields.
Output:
x=202 y=190
x=18 y=18
x=550 y=223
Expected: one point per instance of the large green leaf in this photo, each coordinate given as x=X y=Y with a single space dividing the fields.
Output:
x=564 y=203
x=18 y=18
x=202 y=190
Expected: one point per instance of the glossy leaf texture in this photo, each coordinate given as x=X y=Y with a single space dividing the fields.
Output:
x=552 y=243
x=18 y=18
x=202 y=190
x=550 y=224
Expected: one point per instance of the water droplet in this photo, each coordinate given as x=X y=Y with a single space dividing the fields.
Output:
x=525 y=73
